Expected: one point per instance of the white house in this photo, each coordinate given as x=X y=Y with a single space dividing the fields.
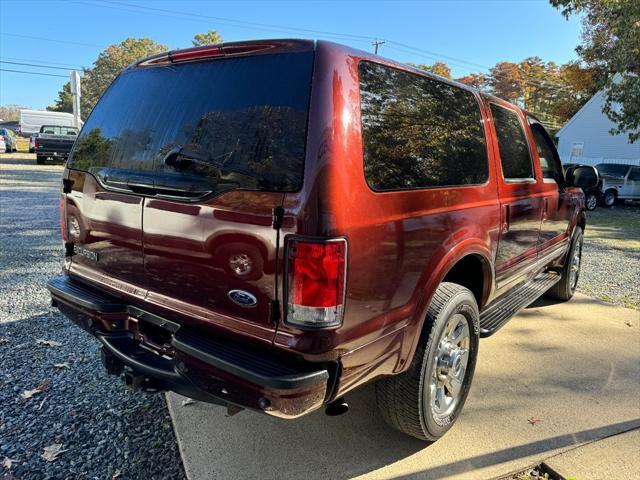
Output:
x=585 y=138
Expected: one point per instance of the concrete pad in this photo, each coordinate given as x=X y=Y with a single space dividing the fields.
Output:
x=613 y=457
x=573 y=367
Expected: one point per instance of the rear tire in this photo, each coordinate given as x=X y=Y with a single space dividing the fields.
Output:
x=426 y=400
x=591 y=201
x=566 y=287
x=40 y=159
x=610 y=198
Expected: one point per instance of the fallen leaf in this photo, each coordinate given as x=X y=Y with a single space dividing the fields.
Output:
x=52 y=452
x=188 y=401
x=44 y=385
x=48 y=343
x=7 y=463
x=117 y=474
x=533 y=420
x=61 y=365
x=628 y=323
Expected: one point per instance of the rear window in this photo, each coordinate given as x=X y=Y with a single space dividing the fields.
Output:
x=419 y=132
x=58 y=130
x=512 y=144
x=612 y=169
x=237 y=123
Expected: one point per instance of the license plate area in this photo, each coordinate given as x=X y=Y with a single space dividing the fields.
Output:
x=153 y=332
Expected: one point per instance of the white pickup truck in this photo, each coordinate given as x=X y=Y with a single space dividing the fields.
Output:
x=619 y=182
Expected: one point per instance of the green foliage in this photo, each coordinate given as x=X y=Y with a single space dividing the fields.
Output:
x=611 y=45
x=208 y=38
x=64 y=102
x=109 y=63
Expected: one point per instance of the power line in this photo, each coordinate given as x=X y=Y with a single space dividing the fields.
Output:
x=262 y=26
x=34 y=65
x=33 y=73
x=248 y=24
x=50 y=40
x=77 y=67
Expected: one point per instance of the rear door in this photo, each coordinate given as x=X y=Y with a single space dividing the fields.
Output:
x=632 y=186
x=227 y=138
x=559 y=202
x=520 y=198
x=104 y=222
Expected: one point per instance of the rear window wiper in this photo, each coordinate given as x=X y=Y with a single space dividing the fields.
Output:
x=180 y=158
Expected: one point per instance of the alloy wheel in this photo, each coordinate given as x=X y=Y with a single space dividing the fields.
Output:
x=450 y=367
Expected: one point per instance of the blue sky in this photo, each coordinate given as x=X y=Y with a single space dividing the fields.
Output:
x=476 y=34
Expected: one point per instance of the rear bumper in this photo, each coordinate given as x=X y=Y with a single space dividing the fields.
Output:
x=193 y=363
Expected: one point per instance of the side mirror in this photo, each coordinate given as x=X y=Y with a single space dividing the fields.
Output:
x=582 y=176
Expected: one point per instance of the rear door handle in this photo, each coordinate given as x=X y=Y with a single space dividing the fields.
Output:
x=507 y=219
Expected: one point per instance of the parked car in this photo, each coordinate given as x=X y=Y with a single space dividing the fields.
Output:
x=32 y=120
x=54 y=141
x=592 y=195
x=619 y=182
x=273 y=245
x=32 y=142
x=9 y=140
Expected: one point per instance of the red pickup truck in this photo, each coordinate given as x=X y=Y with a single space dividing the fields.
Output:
x=271 y=224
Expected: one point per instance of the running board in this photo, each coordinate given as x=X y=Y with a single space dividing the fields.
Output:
x=499 y=313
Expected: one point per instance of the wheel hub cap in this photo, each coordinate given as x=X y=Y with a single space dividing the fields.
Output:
x=240 y=264
x=574 y=271
x=450 y=367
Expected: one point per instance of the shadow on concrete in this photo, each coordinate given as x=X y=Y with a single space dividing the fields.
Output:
x=519 y=451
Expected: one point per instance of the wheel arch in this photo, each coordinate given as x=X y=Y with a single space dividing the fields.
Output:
x=472 y=254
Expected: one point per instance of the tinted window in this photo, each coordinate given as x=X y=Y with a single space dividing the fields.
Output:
x=239 y=122
x=634 y=174
x=512 y=143
x=418 y=132
x=549 y=160
x=611 y=169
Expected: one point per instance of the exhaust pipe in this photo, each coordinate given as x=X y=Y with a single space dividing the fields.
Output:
x=337 y=407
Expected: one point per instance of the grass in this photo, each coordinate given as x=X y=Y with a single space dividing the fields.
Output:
x=618 y=226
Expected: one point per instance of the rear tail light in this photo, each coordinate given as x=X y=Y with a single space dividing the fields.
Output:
x=36 y=142
x=316 y=279
x=63 y=219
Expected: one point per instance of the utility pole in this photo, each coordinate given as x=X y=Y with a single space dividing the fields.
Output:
x=75 y=92
x=377 y=43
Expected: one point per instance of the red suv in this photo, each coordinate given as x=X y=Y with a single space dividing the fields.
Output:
x=272 y=224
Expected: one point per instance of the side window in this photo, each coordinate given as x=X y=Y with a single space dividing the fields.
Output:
x=549 y=160
x=512 y=144
x=635 y=174
x=418 y=132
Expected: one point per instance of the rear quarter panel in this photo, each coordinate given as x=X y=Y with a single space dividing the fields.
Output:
x=400 y=244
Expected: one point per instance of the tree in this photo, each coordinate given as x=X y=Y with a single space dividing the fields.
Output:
x=439 y=68
x=64 y=102
x=109 y=63
x=10 y=112
x=611 y=45
x=505 y=81
x=477 y=80
x=212 y=36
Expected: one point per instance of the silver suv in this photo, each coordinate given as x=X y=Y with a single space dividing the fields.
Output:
x=619 y=182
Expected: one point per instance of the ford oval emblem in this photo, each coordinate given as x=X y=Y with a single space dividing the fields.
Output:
x=242 y=298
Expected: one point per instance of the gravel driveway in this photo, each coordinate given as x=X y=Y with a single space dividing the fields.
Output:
x=103 y=430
